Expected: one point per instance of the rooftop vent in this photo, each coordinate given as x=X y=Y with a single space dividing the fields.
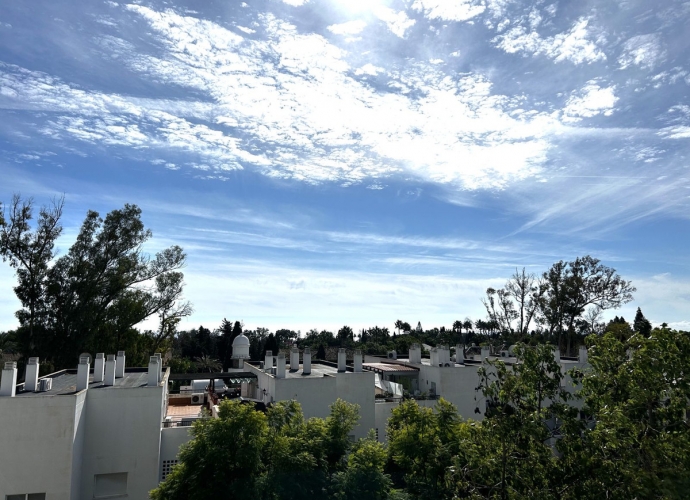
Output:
x=31 y=375
x=8 y=384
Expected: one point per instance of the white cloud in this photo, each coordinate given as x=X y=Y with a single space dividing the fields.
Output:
x=369 y=69
x=680 y=132
x=574 y=46
x=296 y=3
x=591 y=100
x=644 y=51
x=349 y=28
x=449 y=10
x=397 y=22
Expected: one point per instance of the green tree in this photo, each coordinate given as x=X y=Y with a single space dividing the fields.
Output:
x=364 y=478
x=30 y=254
x=641 y=324
x=90 y=299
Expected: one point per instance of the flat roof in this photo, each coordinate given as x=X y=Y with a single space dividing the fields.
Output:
x=317 y=370
x=391 y=368
x=65 y=383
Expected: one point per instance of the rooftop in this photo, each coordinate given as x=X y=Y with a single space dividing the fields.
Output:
x=65 y=383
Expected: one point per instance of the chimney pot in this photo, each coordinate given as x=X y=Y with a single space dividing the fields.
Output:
x=358 y=361
x=583 y=357
x=98 y=367
x=31 y=375
x=280 y=366
x=120 y=364
x=268 y=361
x=83 y=373
x=294 y=359
x=109 y=377
x=342 y=360
x=8 y=384
x=306 y=361
x=154 y=371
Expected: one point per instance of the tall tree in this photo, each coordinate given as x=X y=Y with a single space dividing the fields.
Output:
x=30 y=254
x=90 y=299
x=526 y=292
x=641 y=324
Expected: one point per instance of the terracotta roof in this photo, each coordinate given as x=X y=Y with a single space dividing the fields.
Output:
x=389 y=367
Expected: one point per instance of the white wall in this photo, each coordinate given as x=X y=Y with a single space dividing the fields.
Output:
x=358 y=388
x=123 y=434
x=37 y=437
x=315 y=394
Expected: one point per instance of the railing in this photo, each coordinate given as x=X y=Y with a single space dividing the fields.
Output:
x=179 y=423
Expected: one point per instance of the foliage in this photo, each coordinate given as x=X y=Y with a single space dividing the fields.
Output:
x=89 y=299
x=280 y=455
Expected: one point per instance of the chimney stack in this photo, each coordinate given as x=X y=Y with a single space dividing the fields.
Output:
x=582 y=358
x=8 y=384
x=160 y=365
x=434 y=357
x=557 y=354
x=268 y=361
x=358 y=361
x=306 y=361
x=31 y=375
x=342 y=360
x=294 y=359
x=109 y=378
x=154 y=371
x=486 y=352
x=415 y=355
x=459 y=354
x=120 y=365
x=98 y=367
x=280 y=366
x=83 y=370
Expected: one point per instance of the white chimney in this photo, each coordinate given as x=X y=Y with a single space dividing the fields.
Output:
x=109 y=377
x=120 y=364
x=160 y=365
x=342 y=360
x=8 y=384
x=98 y=367
x=154 y=371
x=583 y=354
x=416 y=354
x=557 y=354
x=358 y=361
x=31 y=375
x=486 y=352
x=268 y=361
x=280 y=366
x=459 y=354
x=434 y=356
x=294 y=359
x=83 y=373
x=306 y=361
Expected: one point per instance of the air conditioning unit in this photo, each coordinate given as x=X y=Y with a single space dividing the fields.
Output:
x=45 y=384
x=198 y=398
x=505 y=354
x=392 y=355
x=446 y=364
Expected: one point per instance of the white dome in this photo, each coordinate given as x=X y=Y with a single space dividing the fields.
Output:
x=240 y=347
x=240 y=340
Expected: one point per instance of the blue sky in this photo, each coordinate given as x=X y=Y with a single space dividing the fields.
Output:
x=329 y=162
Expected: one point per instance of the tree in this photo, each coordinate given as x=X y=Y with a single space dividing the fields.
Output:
x=569 y=288
x=30 y=254
x=345 y=334
x=90 y=299
x=244 y=454
x=641 y=324
x=364 y=478
x=526 y=291
x=500 y=308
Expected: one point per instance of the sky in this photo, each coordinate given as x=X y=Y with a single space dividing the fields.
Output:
x=331 y=162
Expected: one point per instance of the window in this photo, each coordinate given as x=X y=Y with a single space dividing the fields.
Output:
x=167 y=468
x=24 y=496
x=110 y=485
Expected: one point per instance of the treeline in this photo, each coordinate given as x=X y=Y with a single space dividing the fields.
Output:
x=623 y=433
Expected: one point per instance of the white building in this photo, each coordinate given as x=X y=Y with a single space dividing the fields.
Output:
x=115 y=432
x=82 y=434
